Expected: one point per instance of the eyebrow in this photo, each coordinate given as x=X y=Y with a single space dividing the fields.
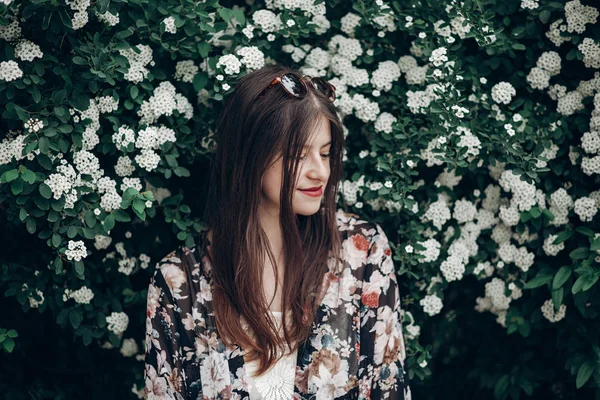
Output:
x=306 y=146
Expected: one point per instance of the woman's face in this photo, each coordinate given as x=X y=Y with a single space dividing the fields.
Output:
x=314 y=172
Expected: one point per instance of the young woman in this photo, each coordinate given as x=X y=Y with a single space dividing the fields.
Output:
x=283 y=297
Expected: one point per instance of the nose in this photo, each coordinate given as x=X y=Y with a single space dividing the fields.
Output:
x=317 y=168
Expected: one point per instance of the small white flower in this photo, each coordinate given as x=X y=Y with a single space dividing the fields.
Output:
x=423 y=364
x=270 y=37
x=358 y=204
x=442 y=139
x=148 y=204
x=450 y=39
x=219 y=77
x=381 y=34
x=226 y=86
x=97 y=211
x=483 y=80
x=388 y=184
x=290 y=22
x=422 y=35
x=408 y=248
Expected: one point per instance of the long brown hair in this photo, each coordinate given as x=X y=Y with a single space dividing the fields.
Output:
x=251 y=133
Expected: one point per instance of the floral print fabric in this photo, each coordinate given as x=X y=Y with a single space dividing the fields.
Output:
x=355 y=351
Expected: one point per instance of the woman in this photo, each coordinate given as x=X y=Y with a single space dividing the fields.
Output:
x=283 y=297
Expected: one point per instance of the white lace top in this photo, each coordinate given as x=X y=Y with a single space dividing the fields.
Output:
x=278 y=382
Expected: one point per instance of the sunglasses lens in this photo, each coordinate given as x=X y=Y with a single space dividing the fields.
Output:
x=322 y=86
x=293 y=84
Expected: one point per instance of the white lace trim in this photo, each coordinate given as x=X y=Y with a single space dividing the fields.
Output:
x=275 y=384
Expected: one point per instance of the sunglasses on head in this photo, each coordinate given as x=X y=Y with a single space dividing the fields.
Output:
x=296 y=85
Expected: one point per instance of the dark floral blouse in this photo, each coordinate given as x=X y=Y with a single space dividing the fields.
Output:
x=356 y=349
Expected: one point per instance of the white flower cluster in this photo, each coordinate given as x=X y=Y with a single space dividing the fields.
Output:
x=453 y=268
x=26 y=50
x=386 y=73
x=123 y=137
x=63 y=181
x=76 y=250
x=33 y=302
x=486 y=267
x=509 y=253
x=164 y=101
x=468 y=140
x=529 y=4
x=438 y=213
x=384 y=122
x=267 y=21
x=251 y=57
x=348 y=23
x=439 y=56
x=418 y=101
x=524 y=194
x=560 y=204
x=11 y=148
x=83 y=295
x=117 y=322
x=549 y=313
x=185 y=71
x=431 y=304
x=169 y=23
x=570 y=103
x=137 y=62
x=9 y=71
x=351 y=189
x=495 y=301
x=129 y=348
x=579 y=15
x=101 y=242
x=33 y=125
x=503 y=92
x=552 y=249
x=591 y=53
x=586 y=208
x=432 y=250
x=80 y=17
x=107 y=17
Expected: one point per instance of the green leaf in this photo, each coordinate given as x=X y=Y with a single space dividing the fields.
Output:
x=584 y=230
x=544 y=16
x=59 y=96
x=44 y=144
x=90 y=218
x=181 y=171
x=79 y=267
x=75 y=317
x=543 y=277
x=518 y=46
x=9 y=176
x=561 y=237
x=121 y=216
x=109 y=223
x=134 y=91
x=557 y=297
x=16 y=186
x=561 y=276
x=56 y=239
x=28 y=176
x=79 y=60
x=200 y=81
x=585 y=372
x=595 y=244
x=580 y=253
x=30 y=225
x=58 y=264
x=45 y=190
x=8 y=345
x=12 y=333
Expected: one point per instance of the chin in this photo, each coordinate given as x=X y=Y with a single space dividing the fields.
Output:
x=307 y=210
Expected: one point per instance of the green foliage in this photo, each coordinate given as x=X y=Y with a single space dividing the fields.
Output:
x=108 y=133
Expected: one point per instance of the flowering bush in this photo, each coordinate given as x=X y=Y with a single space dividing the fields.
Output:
x=473 y=136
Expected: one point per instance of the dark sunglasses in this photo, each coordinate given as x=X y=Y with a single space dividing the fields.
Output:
x=296 y=85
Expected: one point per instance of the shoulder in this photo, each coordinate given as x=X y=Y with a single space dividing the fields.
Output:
x=364 y=243
x=172 y=272
x=359 y=231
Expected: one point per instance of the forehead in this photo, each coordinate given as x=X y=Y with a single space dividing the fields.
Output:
x=321 y=136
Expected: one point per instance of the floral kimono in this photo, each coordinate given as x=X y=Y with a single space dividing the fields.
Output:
x=355 y=351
